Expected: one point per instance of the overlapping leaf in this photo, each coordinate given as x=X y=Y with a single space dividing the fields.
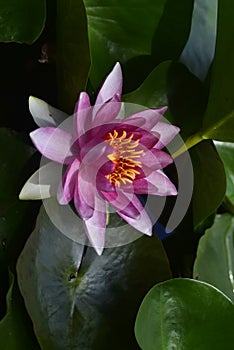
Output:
x=22 y=21
x=80 y=300
x=15 y=328
x=215 y=256
x=182 y=314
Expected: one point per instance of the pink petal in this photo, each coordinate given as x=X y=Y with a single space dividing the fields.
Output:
x=67 y=185
x=155 y=159
x=53 y=143
x=106 y=113
x=156 y=183
x=121 y=201
x=84 y=194
x=112 y=86
x=145 y=119
x=82 y=115
x=147 y=139
x=167 y=132
x=95 y=226
x=142 y=222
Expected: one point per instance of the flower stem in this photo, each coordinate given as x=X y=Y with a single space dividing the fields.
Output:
x=191 y=141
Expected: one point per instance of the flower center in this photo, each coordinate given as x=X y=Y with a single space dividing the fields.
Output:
x=124 y=158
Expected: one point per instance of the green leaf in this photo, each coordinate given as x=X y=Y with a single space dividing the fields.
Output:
x=173 y=30
x=73 y=59
x=153 y=91
x=219 y=117
x=185 y=314
x=22 y=21
x=215 y=256
x=226 y=153
x=118 y=31
x=16 y=331
x=14 y=214
x=79 y=300
x=199 y=50
x=209 y=181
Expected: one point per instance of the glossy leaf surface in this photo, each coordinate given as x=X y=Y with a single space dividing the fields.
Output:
x=80 y=300
x=226 y=152
x=215 y=256
x=15 y=328
x=219 y=119
x=22 y=21
x=182 y=314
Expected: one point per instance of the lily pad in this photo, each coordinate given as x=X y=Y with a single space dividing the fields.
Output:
x=16 y=331
x=199 y=50
x=219 y=120
x=22 y=21
x=226 y=152
x=79 y=300
x=153 y=91
x=182 y=314
x=215 y=256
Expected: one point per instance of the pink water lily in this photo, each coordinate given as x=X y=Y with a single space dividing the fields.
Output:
x=106 y=159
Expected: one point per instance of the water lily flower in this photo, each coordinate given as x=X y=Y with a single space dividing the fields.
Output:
x=107 y=160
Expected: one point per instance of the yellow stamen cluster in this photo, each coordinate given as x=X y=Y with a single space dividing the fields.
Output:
x=124 y=158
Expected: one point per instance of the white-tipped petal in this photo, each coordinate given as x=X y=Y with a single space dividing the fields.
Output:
x=95 y=226
x=44 y=114
x=112 y=86
x=43 y=183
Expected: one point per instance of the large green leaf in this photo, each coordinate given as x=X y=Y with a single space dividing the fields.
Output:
x=22 y=21
x=119 y=30
x=209 y=181
x=199 y=50
x=219 y=117
x=14 y=214
x=79 y=300
x=73 y=58
x=185 y=314
x=136 y=33
x=226 y=152
x=16 y=331
x=153 y=91
x=215 y=256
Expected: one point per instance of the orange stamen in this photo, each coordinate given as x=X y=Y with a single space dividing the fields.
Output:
x=124 y=158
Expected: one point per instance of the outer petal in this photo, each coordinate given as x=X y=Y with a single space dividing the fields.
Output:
x=44 y=114
x=156 y=183
x=142 y=222
x=43 y=183
x=53 y=143
x=84 y=198
x=167 y=133
x=155 y=159
x=106 y=113
x=145 y=119
x=67 y=185
x=82 y=115
x=112 y=86
x=122 y=202
x=95 y=226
